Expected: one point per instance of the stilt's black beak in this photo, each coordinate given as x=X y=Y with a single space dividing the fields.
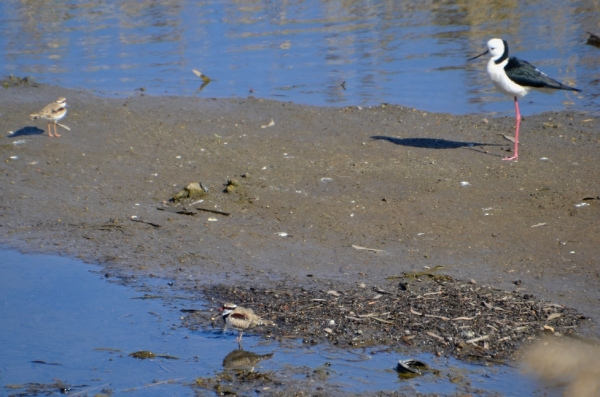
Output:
x=470 y=59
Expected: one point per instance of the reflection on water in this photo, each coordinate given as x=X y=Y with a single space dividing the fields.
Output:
x=318 y=52
x=239 y=359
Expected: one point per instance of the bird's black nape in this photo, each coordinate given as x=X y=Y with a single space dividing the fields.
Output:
x=504 y=56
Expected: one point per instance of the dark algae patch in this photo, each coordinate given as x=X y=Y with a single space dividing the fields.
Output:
x=14 y=81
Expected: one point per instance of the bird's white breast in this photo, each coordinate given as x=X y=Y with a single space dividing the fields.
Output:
x=504 y=84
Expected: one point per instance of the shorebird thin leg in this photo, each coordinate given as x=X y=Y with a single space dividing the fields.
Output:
x=239 y=338
x=49 y=130
x=516 y=156
x=55 y=133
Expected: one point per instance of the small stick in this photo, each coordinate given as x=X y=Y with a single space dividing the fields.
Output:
x=175 y=210
x=355 y=318
x=415 y=312
x=382 y=320
x=440 y=317
x=435 y=336
x=373 y=315
x=213 y=211
x=156 y=225
x=474 y=340
x=433 y=293
x=464 y=318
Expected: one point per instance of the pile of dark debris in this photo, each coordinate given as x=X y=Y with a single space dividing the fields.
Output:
x=430 y=312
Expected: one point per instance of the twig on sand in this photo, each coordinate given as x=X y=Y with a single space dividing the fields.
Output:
x=156 y=225
x=358 y=247
x=213 y=211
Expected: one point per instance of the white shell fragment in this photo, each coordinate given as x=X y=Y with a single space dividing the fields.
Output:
x=358 y=247
x=465 y=183
x=212 y=219
x=282 y=234
x=582 y=205
x=271 y=124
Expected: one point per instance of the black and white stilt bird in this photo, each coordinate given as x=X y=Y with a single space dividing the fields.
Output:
x=516 y=78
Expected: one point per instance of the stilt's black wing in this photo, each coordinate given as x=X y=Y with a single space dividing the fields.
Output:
x=527 y=75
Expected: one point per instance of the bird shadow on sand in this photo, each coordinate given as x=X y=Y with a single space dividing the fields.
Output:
x=433 y=143
x=27 y=131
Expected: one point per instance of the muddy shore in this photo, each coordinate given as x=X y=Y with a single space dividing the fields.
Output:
x=314 y=186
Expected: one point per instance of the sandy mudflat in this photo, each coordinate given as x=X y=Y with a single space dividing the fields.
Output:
x=385 y=177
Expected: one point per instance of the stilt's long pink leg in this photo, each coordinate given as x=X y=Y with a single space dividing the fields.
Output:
x=516 y=150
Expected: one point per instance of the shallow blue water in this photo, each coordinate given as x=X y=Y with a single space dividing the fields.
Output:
x=314 y=52
x=66 y=314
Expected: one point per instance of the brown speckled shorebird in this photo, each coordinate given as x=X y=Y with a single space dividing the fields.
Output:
x=53 y=112
x=241 y=319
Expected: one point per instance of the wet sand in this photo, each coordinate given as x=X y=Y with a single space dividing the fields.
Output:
x=385 y=178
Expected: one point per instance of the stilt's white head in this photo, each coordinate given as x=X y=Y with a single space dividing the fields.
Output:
x=497 y=48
